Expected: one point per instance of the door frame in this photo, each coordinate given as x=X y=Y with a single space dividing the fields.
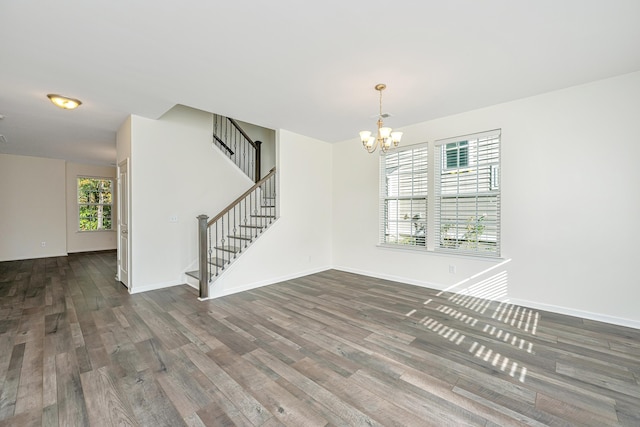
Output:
x=126 y=164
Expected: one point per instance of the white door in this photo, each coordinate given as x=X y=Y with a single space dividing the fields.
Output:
x=123 y=222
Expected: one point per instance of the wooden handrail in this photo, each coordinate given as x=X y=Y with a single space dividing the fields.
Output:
x=239 y=199
x=233 y=122
x=225 y=146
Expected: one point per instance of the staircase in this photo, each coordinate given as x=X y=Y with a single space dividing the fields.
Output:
x=234 y=143
x=222 y=239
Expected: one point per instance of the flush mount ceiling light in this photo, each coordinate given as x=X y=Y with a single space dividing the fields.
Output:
x=385 y=137
x=64 y=102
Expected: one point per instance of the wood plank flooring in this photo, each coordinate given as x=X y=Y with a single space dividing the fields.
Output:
x=332 y=348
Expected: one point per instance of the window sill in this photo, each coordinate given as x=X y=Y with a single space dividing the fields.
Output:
x=449 y=254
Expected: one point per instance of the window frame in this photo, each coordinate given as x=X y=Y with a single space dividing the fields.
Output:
x=408 y=230
x=483 y=232
x=473 y=213
x=80 y=204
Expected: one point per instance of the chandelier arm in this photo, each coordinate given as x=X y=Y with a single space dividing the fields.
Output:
x=384 y=138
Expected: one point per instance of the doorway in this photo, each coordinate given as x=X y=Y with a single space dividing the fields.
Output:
x=124 y=242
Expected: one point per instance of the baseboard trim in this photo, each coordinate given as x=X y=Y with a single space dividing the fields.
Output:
x=154 y=286
x=598 y=317
x=390 y=277
x=213 y=294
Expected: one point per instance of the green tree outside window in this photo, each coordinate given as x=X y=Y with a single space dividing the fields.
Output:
x=95 y=203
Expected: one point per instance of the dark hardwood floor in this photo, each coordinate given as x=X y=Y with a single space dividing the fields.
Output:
x=333 y=348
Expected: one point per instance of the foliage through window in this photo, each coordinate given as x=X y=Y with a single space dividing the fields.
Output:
x=95 y=203
x=465 y=186
x=404 y=196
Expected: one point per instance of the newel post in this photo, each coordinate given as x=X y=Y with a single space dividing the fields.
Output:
x=203 y=267
x=258 y=160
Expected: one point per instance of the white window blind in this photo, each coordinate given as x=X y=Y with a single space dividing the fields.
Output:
x=467 y=194
x=403 y=196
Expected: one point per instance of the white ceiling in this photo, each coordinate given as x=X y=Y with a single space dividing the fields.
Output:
x=308 y=67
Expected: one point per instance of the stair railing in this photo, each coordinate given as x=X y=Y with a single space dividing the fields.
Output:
x=237 y=145
x=226 y=235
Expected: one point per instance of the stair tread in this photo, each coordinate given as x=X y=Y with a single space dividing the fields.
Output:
x=263 y=216
x=218 y=262
x=228 y=248
x=194 y=274
x=240 y=237
x=252 y=226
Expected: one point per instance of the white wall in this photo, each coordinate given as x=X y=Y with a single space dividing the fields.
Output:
x=123 y=141
x=87 y=241
x=570 y=203
x=175 y=171
x=32 y=207
x=299 y=243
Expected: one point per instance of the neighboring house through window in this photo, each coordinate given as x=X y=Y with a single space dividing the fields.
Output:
x=95 y=203
x=465 y=185
x=467 y=194
x=404 y=196
x=457 y=154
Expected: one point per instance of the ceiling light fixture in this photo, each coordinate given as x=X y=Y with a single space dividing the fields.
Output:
x=385 y=137
x=64 y=102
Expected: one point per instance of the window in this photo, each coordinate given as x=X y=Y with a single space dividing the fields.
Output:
x=457 y=154
x=95 y=200
x=403 y=197
x=467 y=194
x=464 y=186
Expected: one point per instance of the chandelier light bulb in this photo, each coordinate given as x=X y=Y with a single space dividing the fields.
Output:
x=385 y=137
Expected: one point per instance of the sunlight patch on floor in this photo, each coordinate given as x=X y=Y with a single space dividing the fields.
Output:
x=478 y=294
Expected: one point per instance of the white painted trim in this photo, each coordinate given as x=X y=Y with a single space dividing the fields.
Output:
x=399 y=279
x=272 y=281
x=155 y=286
x=578 y=313
x=529 y=304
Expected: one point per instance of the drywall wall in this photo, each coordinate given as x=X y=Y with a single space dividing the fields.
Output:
x=176 y=174
x=299 y=243
x=123 y=141
x=569 y=204
x=32 y=207
x=79 y=241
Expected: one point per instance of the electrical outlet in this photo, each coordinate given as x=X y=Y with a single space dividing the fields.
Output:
x=173 y=218
x=43 y=244
x=452 y=269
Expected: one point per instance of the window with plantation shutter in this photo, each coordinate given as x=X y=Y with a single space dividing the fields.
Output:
x=403 y=198
x=467 y=194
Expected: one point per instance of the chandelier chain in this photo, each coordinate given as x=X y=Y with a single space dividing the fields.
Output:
x=385 y=137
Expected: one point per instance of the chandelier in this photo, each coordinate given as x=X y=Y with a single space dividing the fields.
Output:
x=385 y=137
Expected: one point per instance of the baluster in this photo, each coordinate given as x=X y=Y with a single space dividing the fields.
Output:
x=245 y=219
x=256 y=231
x=234 y=231
x=212 y=244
